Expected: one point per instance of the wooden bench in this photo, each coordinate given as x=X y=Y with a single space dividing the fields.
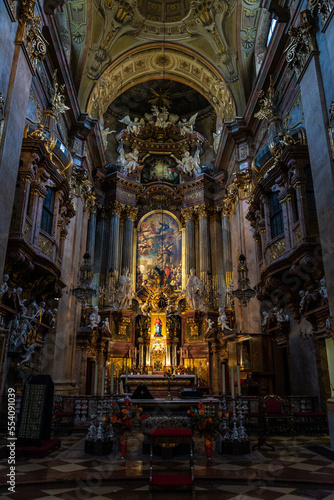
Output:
x=168 y=437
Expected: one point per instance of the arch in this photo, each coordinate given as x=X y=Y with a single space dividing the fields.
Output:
x=162 y=61
x=159 y=212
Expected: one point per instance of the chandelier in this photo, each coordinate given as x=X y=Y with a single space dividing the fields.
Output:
x=84 y=291
x=244 y=292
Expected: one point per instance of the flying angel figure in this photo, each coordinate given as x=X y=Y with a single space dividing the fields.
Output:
x=133 y=126
x=187 y=126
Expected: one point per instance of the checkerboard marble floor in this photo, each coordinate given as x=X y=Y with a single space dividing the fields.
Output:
x=291 y=471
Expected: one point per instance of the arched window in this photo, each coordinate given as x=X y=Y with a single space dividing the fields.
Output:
x=271 y=31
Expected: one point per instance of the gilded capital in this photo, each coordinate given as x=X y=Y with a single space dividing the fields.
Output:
x=202 y=211
x=187 y=213
x=323 y=7
x=131 y=213
x=34 y=41
x=302 y=43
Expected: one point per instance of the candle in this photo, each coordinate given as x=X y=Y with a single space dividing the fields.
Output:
x=112 y=378
x=102 y=381
x=117 y=374
x=223 y=379
x=232 y=383
x=95 y=378
x=126 y=375
x=238 y=379
x=181 y=360
x=195 y=382
x=186 y=353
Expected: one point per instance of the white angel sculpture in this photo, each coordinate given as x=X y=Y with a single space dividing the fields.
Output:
x=189 y=164
x=187 y=126
x=195 y=292
x=128 y=161
x=133 y=126
x=222 y=320
x=216 y=139
x=124 y=292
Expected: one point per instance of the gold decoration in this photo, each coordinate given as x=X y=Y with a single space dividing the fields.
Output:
x=267 y=102
x=123 y=324
x=241 y=186
x=34 y=41
x=298 y=235
x=27 y=9
x=277 y=249
x=45 y=245
x=323 y=7
x=57 y=99
x=302 y=43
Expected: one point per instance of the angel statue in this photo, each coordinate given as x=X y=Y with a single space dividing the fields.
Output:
x=94 y=318
x=133 y=126
x=161 y=116
x=222 y=320
x=128 y=161
x=188 y=163
x=124 y=292
x=187 y=126
x=210 y=323
x=216 y=139
x=195 y=292
x=105 y=132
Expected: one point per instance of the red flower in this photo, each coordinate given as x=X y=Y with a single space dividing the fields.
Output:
x=128 y=423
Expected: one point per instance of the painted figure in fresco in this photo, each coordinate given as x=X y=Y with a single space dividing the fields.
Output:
x=158 y=327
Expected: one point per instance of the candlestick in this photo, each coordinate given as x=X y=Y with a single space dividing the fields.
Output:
x=195 y=381
x=232 y=383
x=112 y=378
x=181 y=360
x=102 y=381
x=223 y=379
x=126 y=375
x=238 y=380
x=95 y=378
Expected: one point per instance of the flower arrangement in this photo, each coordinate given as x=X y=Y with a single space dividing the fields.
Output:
x=205 y=419
x=123 y=420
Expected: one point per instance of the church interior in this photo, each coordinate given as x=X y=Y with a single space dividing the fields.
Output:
x=166 y=248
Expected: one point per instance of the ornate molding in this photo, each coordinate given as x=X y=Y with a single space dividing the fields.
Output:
x=34 y=41
x=241 y=187
x=331 y=127
x=302 y=43
x=323 y=7
x=267 y=101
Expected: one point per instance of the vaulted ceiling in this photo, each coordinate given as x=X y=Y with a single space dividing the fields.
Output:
x=113 y=45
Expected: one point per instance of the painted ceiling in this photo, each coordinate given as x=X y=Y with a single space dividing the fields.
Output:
x=113 y=45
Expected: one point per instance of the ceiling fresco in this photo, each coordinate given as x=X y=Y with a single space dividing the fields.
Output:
x=177 y=40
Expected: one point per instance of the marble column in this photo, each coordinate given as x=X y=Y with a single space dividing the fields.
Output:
x=214 y=368
x=189 y=235
x=91 y=234
x=218 y=273
x=127 y=254
x=113 y=257
x=204 y=241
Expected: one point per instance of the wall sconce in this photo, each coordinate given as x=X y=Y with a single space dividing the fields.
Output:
x=244 y=292
x=84 y=291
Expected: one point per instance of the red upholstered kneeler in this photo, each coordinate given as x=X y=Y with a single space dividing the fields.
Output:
x=168 y=437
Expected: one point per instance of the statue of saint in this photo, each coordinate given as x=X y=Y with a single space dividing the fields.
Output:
x=158 y=327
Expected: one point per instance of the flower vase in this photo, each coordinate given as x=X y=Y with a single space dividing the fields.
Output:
x=208 y=447
x=123 y=446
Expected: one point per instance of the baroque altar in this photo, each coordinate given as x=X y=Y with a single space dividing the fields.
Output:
x=161 y=280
